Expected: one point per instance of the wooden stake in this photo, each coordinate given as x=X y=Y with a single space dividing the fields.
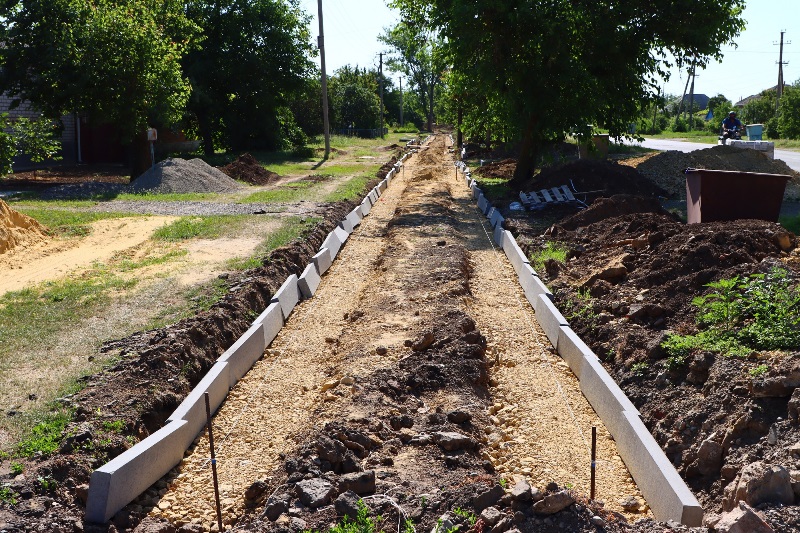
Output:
x=594 y=456
x=213 y=463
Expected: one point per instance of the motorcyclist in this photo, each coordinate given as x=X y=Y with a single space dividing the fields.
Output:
x=731 y=127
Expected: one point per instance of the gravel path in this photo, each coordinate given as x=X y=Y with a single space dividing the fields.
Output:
x=383 y=289
x=189 y=208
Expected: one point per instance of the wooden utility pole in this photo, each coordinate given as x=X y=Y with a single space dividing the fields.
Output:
x=325 y=121
x=691 y=100
x=380 y=84
x=781 y=63
x=401 y=101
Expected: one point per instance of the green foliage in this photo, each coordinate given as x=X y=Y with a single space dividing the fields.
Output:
x=789 y=113
x=198 y=227
x=503 y=482
x=759 y=370
x=133 y=46
x=545 y=68
x=47 y=483
x=7 y=495
x=46 y=436
x=65 y=223
x=466 y=513
x=759 y=110
x=639 y=368
x=114 y=426
x=37 y=138
x=291 y=228
x=17 y=468
x=362 y=523
x=253 y=59
x=760 y=312
x=674 y=362
x=8 y=146
x=550 y=250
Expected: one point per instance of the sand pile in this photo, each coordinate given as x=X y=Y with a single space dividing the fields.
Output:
x=666 y=168
x=17 y=229
x=183 y=176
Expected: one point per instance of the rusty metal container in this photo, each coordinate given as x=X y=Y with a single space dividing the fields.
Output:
x=718 y=195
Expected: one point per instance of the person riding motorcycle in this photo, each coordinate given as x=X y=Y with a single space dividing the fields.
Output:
x=732 y=127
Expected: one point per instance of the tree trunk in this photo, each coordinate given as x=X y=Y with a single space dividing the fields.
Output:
x=206 y=134
x=430 y=107
x=529 y=150
x=460 y=134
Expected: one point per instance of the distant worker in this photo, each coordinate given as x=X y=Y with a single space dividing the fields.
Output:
x=731 y=127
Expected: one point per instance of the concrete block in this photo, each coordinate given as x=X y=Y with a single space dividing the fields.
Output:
x=486 y=207
x=499 y=236
x=382 y=186
x=346 y=225
x=341 y=235
x=193 y=408
x=549 y=318
x=515 y=254
x=366 y=207
x=666 y=493
x=272 y=322
x=322 y=261
x=308 y=282
x=476 y=192
x=243 y=354
x=496 y=219
x=605 y=396
x=573 y=350
x=531 y=285
x=490 y=212
x=354 y=217
x=333 y=244
x=287 y=296
x=115 y=484
x=483 y=204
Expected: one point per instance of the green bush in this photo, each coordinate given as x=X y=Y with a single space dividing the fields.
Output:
x=8 y=146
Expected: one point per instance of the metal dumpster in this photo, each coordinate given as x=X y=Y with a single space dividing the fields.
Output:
x=717 y=195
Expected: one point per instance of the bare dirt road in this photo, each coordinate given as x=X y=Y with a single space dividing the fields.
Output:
x=418 y=331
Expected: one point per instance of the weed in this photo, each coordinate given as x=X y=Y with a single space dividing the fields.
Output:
x=8 y=496
x=674 y=362
x=17 y=468
x=362 y=523
x=581 y=310
x=465 y=513
x=759 y=370
x=408 y=526
x=47 y=483
x=639 y=368
x=550 y=250
x=503 y=482
x=46 y=436
x=114 y=426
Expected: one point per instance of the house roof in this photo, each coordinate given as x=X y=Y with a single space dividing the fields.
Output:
x=744 y=101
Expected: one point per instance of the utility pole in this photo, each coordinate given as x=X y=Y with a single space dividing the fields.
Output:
x=691 y=100
x=401 y=101
x=781 y=63
x=321 y=46
x=380 y=83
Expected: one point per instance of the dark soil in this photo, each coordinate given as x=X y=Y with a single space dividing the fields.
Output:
x=65 y=175
x=247 y=169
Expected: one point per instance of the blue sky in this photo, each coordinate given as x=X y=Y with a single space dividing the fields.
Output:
x=352 y=28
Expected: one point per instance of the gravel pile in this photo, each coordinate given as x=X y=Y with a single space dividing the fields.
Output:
x=183 y=176
x=665 y=169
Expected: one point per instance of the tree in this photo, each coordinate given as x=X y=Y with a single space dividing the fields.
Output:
x=720 y=106
x=37 y=139
x=253 y=60
x=420 y=59
x=117 y=61
x=789 y=116
x=8 y=146
x=553 y=67
x=354 y=101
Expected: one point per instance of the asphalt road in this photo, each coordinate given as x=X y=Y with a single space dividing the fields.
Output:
x=789 y=157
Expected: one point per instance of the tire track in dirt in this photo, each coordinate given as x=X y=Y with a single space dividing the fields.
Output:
x=404 y=269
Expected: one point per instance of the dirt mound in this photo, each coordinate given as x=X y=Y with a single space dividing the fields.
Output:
x=389 y=147
x=386 y=168
x=501 y=169
x=601 y=178
x=245 y=168
x=617 y=205
x=183 y=176
x=17 y=229
x=665 y=169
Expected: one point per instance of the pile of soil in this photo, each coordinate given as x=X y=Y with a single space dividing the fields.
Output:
x=640 y=272
x=595 y=177
x=183 y=176
x=386 y=168
x=501 y=169
x=665 y=169
x=17 y=229
x=247 y=169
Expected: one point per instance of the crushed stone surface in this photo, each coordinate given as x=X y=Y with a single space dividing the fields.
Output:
x=183 y=176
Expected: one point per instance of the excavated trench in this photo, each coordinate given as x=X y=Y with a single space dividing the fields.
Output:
x=417 y=378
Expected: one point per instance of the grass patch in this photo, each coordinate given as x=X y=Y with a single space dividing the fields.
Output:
x=126 y=265
x=550 y=250
x=350 y=189
x=288 y=192
x=46 y=436
x=209 y=227
x=67 y=223
x=170 y=196
x=495 y=188
x=291 y=229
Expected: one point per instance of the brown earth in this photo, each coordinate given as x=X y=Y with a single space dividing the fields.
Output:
x=17 y=229
x=247 y=169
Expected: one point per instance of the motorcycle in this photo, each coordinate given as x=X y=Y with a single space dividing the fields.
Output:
x=733 y=134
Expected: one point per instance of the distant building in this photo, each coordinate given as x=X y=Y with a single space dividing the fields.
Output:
x=700 y=101
x=744 y=101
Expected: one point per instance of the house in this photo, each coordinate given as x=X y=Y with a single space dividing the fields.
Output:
x=744 y=101
x=698 y=102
